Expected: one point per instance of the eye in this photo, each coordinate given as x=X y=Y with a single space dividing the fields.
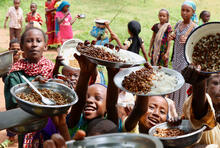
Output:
x=162 y=112
x=215 y=83
x=98 y=98
x=39 y=40
x=151 y=107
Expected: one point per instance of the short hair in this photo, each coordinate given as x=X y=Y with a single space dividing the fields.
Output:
x=31 y=28
x=203 y=13
x=17 y=0
x=33 y=3
x=100 y=126
x=15 y=40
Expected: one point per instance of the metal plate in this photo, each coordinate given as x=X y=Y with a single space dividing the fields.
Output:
x=180 y=141
x=196 y=35
x=67 y=51
x=45 y=110
x=136 y=60
x=117 y=140
x=6 y=59
x=119 y=77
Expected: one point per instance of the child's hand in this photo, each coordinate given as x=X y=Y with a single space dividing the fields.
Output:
x=5 y=25
x=183 y=39
x=85 y=65
x=166 y=56
x=59 y=59
x=175 y=121
x=192 y=74
x=172 y=36
x=149 y=54
x=59 y=120
x=56 y=141
x=107 y=23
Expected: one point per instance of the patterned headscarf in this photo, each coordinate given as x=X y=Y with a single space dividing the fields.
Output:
x=44 y=67
x=63 y=4
x=193 y=6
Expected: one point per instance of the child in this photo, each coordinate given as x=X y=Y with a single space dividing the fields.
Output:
x=134 y=42
x=50 y=22
x=203 y=106
x=204 y=16
x=159 y=55
x=91 y=103
x=15 y=24
x=64 y=22
x=33 y=16
x=100 y=33
x=182 y=30
x=33 y=66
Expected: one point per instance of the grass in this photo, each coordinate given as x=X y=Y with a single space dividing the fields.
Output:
x=144 y=11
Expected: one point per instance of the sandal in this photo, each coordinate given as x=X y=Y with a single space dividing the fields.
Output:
x=6 y=143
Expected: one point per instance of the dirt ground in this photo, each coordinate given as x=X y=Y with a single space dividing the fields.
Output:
x=4 y=45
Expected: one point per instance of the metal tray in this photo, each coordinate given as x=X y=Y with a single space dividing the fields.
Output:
x=137 y=60
x=117 y=140
x=119 y=77
x=180 y=141
x=6 y=60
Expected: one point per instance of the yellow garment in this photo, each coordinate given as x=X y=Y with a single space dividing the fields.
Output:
x=135 y=130
x=210 y=136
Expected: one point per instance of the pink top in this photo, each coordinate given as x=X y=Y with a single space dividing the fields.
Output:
x=16 y=17
x=66 y=31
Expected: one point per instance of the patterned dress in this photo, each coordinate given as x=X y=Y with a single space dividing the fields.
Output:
x=179 y=63
x=36 y=17
x=163 y=47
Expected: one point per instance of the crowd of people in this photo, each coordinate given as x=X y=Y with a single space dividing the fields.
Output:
x=97 y=111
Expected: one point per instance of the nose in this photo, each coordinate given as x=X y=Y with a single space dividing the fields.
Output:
x=90 y=100
x=156 y=113
x=34 y=43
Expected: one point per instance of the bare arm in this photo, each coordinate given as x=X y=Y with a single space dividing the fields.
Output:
x=6 y=19
x=60 y=20
x=75 y=18
x=140 y=108
x=112 y=96
x=144 y=52
x=49 y=10
x=199 y=101
x=151 y=44
x=86 y=69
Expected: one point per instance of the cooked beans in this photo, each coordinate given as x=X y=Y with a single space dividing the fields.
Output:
x=170 y=132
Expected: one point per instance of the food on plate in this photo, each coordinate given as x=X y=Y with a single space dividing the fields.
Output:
x=74 y=63
x=169 y=132
x=148 y=80
x=139 y=81
x=206 y=53
x=33 y=97
x=97 y=52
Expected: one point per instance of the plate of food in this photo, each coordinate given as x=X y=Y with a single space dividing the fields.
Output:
x=149 y=81
x=67 y=51
x=182 y=135
x=113 y=57
x=203 y=47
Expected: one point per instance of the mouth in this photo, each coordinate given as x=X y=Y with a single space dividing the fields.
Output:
x=153 y=121
x=89 y=109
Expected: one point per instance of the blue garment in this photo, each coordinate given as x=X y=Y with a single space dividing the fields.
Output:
x=99 y=33
x=63 y=4
x=193 y=5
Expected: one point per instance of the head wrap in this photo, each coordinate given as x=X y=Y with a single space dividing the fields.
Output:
x=63 y=4
x=135 y=28
x=193 y=6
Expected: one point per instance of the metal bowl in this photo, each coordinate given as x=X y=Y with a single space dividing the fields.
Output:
x=6 y=59
x=27 y=128
x=117 y=140
x=45 y=110
x=180 y=141
x=196 y=35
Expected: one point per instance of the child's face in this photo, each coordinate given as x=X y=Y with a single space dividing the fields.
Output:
x=71 y=74
x=100 y=25
x=33 y=7
x=95 y=102
x=156 y=112
x=206 y=17
x=214 y=90
x=15 y=46
x=16 y=4
x=66 y=8
x=34 y=45
x=186 y=12
x=163 y=17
